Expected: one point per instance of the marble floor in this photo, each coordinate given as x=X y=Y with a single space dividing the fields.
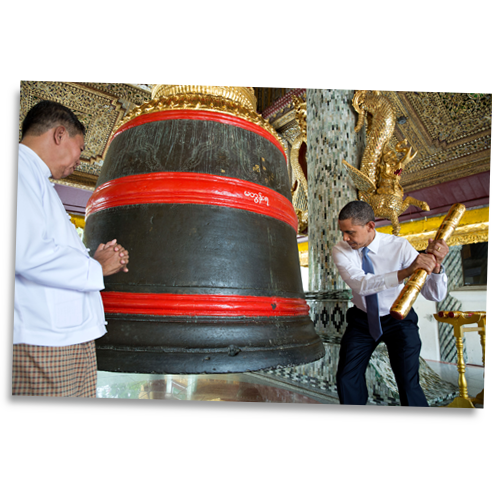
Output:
x=242 y=387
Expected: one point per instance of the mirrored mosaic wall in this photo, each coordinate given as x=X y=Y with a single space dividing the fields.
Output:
x=331 y=138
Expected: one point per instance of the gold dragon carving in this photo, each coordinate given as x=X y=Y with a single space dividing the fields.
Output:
x=377 y=179
x=300 y=178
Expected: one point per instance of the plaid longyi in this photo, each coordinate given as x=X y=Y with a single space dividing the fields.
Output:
x=67 y=371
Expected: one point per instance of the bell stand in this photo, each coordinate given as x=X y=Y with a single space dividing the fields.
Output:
x=459 y=319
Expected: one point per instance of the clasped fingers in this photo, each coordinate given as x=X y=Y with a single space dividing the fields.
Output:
x=439 y=249
x=112 y=257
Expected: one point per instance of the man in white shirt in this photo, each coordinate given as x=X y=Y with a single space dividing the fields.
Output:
x=58 y=310
x=374 y=265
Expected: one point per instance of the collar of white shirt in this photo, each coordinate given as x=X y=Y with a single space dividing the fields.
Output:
x=38 y=161
x=374 y=245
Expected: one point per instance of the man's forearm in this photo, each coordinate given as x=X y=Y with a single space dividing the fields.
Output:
x=406 y=273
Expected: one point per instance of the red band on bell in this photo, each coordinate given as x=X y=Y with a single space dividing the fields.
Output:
x=187 y=188
x=193 y=114
x=166 y=304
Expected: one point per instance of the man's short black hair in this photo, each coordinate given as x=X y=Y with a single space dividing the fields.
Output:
x=360 y=212
x=48 y=114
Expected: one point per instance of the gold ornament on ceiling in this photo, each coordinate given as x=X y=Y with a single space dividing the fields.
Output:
x=451 y=131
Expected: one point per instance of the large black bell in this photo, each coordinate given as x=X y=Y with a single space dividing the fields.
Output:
x=195 y=186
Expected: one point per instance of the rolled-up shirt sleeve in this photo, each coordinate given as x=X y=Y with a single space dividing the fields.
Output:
x=435 y=287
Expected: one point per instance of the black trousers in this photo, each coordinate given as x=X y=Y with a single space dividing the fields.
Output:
x=403 y=343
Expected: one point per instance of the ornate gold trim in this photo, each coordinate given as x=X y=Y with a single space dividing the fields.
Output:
x=447 y=171
x=186 y=98
x=442 y=160
x=74 y=184
x=472 y=233
x=473 y=228
x=242 y=95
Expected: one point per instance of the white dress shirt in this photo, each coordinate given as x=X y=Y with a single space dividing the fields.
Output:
x=57 y=300
x=389 y=254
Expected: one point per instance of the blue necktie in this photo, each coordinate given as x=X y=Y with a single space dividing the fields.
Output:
x=371 y=300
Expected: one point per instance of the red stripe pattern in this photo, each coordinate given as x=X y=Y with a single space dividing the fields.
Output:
x=166 y=304
x=191 y=114
x=188 y=188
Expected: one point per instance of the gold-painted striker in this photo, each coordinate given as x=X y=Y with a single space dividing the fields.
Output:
x=409 y=293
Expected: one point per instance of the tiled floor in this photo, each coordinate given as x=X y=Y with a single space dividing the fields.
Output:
x=243 y=387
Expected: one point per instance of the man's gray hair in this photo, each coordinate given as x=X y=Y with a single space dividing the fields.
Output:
x=359 y=211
